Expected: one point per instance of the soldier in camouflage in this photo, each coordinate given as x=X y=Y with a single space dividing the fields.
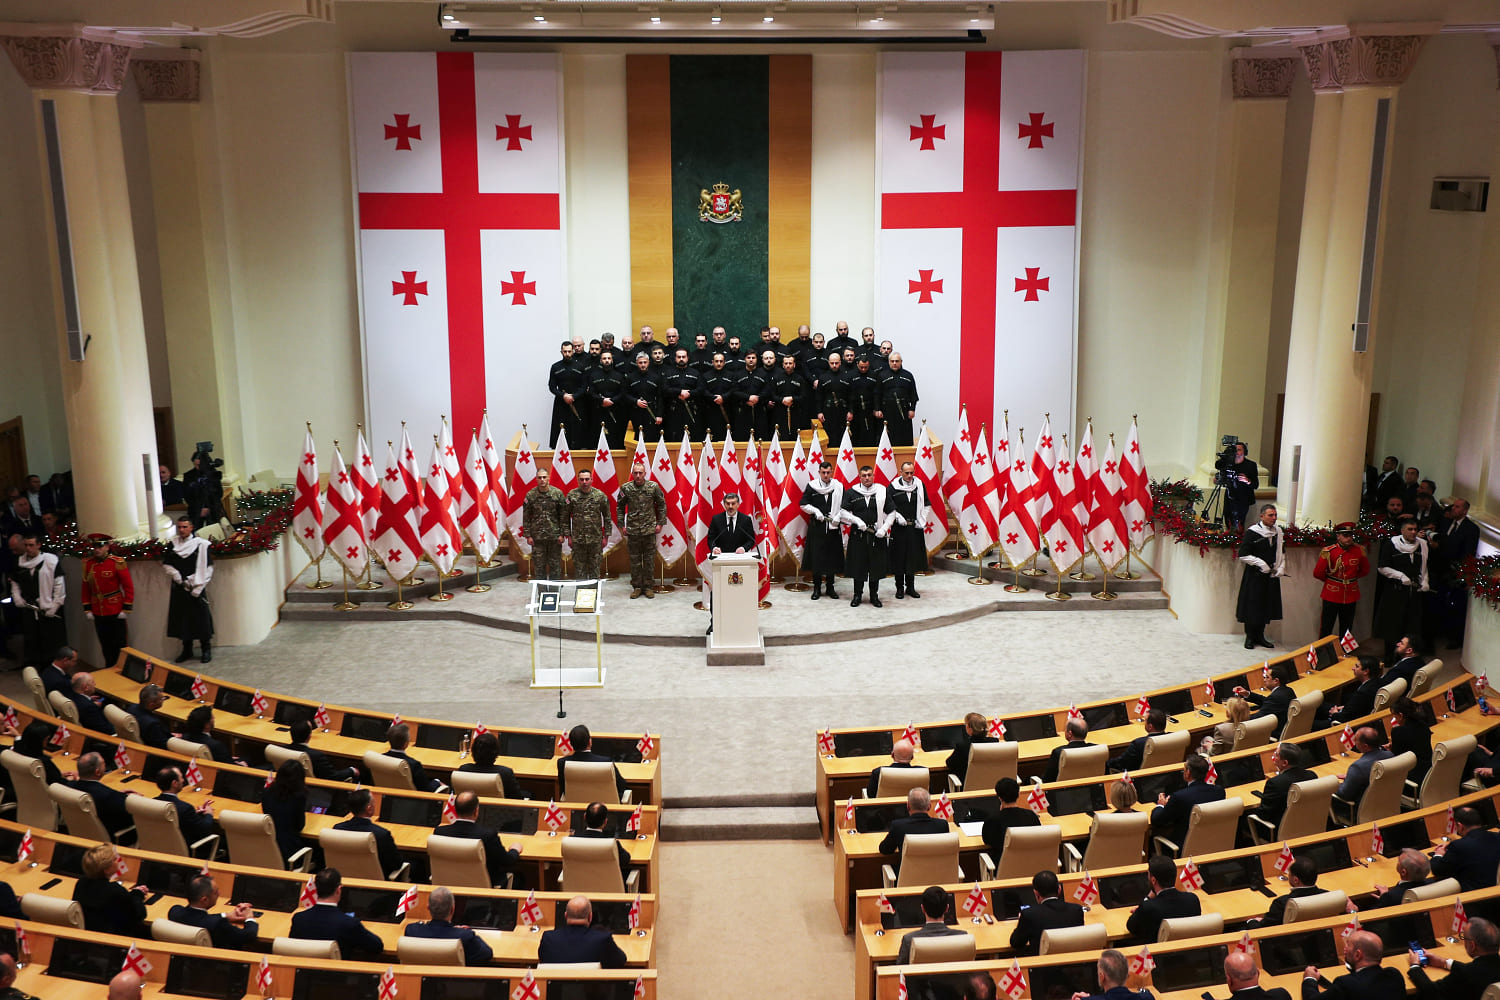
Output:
x=544 y=518
x=588 y=519
x=640 y=511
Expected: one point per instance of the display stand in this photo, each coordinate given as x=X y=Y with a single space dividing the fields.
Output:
x=735 y=639
x=556 y=601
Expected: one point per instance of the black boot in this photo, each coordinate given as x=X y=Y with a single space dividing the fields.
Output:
x=187 y=651
x=854 y=603
x=900 y=593
x=911 y=587
x=208 y=653
x=830 y=591
x=875 y=596
x=817 y=588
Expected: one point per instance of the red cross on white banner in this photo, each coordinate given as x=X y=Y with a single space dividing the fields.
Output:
x=321 y=718
x=63 y=734
x=633 y=824
x=564 y=745
x=1377 y=839
x=1244 y=945
x=1346 y=738
x=640 y=988
x=388 y=989
x=1284 y=858
x=1450 y=826
x=902 y=993
x=530 y=911
x=1142 y=963
x=634 y=916
x=1013 y=982
x=263 y=978
x=646 y=745
x=136 y=962
x=1208 y=692
x=1087 y=890
x=1265 y=675
x=11 y=719
x=1190 y=877
x=943 y=807
x=527 y=988
x=1460 y=918
x=309 y=894
x=1074 y=715
x=259 y=704
x=1213 y=774
x=194 y=774
x=554 y=817
x=480 y=729
x=976 y=902
x=450 y=810
x=1347 y=643
x=825 y=743
x=23 y=946
x=199 y=689
x=122 y=758
x=996 y=728
x=1142 y=706
x=911 y=735
x=408 y=900
x=1037 y=799
x=849 y=813
x=27 y=850
x=1312 y=658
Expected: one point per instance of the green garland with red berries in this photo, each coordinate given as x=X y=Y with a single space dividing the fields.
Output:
x=262 y=536
x=1172 y=504
x=1482 y=578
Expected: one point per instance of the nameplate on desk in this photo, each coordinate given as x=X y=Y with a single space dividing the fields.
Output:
x=971 y=829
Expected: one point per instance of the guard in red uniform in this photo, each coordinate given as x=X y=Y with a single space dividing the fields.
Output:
x=1340 y=566
x=108 y=594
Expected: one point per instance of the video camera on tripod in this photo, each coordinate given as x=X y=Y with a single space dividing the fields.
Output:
x=1224 y=464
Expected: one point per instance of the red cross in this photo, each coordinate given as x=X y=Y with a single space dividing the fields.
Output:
x=352 y=552
x=1135 y=447
x=1047 y=441
x=928 y=528
x=1011 y=538
x=801 y=463
x=1020 y=465
x=461 y=210
x=524 y=458
x=973 y=528
x=1109 y=545
x=668 y=540
x=886 y=456
x=403 y=132
x=980 y=458
x=309 y=459
x=448 y=450
x=963 y=435
x=392 y=556
x=926 y=451
x=924 y=288
x=512 y=132
x=1031 y=284
x=1061 y=545
x=517 y=288
x=343 y=478
x=488 y=445
x=410 y=287
x=1087 y=451
x=1063 y=466
x=797 y=542
x=409 y=456
x=1137 y=526
x=601 y=455
x=663 y=465
x=528 y=989
x=309 y=532
x=926 y=132
x=751 y=464
x=1034 y=130
x=564 y=457
x=846 y=456
x=1002 y=445
x=442 y=548
x=979 y=209
x=1109 y=467
x=436 y=469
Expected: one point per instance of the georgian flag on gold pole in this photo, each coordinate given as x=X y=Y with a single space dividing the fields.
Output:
x=1106 y=528
x=307 y=507
x=956 y=468
x=564 y=476
x=935 y=531
x=1065 y=537
x=728 y=479
x=979 y=520
x=1045 y=497
x=366 y=483
x=441 y=539
x=396 y=541
x=494 y=465
x=885 y=469
x=791 y=519
x=704 y=507
x=672 y=537
x=608 y=481
x=1018 y=534
x=478 y=519
x=453 y=469
x=522 y=479
x=845 y=466
x=773 y=480
x=344 y=534
x=1136 y=491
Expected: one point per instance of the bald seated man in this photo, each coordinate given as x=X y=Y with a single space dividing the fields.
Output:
x=1243 y=977
x=916 y=820
x=125 y=986
x=901 y=756
x=8 y=973
x=1369 y=980
x=576 y=941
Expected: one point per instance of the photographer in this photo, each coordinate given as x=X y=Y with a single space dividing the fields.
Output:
x=203 y=488
x=1240 y=479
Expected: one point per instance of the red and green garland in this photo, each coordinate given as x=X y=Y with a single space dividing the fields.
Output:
x=1172 y=506
x=264 y=536
x=1482 y=578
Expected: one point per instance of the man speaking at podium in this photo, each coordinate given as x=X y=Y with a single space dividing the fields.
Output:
x=729 y=530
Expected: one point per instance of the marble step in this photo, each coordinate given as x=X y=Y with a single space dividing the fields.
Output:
x=740 y=823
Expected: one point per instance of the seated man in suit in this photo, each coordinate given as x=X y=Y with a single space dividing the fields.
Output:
x=324 y=921
x=57 y=675
x=1114 y=969
x=918 y=801
x=485 y=749
x=976 y=730
x=1359 y=701
x=1290 y=762
x=1472 y=856
x=1008 y=791
x=439 y=925
x=497 y=859
x=1243 y=979
x=1413 y=869
x=199 y=728
x=90 y=711
x=1048 y=912
x=935 y=902
x=583 y=751
x=1077 y=731
x=1357 y=779
x=1280 y=698
x=300 y=733
x=901 y=756
x=1368 y=980
x=362 y=820
x=1465 y=980
x=1130 y=758
x=1410 y=656
x=576 y=941
x=154 y=732
x=1303 y=878
x=1170 y=817
x=195 y=824
x=109 y=803
x=233 y=930
x=1163 y=902
x=399 y=737
x=595 y=825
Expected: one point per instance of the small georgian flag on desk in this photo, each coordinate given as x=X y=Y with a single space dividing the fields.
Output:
x=260 y=706
x=1312 y=658
x=901 y=991
x=564 y=745
x=23 y=946
x=634 y=914
x=263 y=978
x=1142 y=963
x=996 y=728
x=1460 y=918
x=11 y=719
x=1284 y=859
x=531 y=910
x=27 y=850
x=1191 y=877
x=554 y=817
x=975 y=902
x=527 y=988
x=1265 y=675
x=1347 y=738
x=450 y=813
x=1377 y=839
x=1213 y=774
x=194 y=775
x=1352 y=925
x=1244 y=945
x=321 y=717
x=63 y=734
x=1036 y=799
x=1208 y=691
x=1087 y=892
x=136 y=962
x=883 y=904
x=1347 y=643
x=122 y=758
x=1142 y=706
x=633 y=824
x=199 y=690
x=388 y=989
x=408 y=900
x=825 y=743
x=943 y=807
x=309 y=895
x=640 y=988
x=1014 y=981
x=1074 y=715
x=911 y=735
x=1450 y=827
x=480 y=729
x=646 y=745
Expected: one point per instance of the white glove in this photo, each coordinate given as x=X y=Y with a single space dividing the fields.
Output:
x=176 y=576
x=901 y=519
x=89 y=615
x=882 y=531
x=822 y=519
x=198 y=590
x=1265 y=569
x=1404 y=578
x=858 y=523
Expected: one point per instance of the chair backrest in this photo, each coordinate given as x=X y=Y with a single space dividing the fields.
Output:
x=458 y=861
x=988 y=763
x=1253 y=732
x=942 y=948
x=252 y=839
x=388 y=772
x=354 y=854
x=490 y=786
x=926 y=859
x=63 y=706
x=591 y=864
x=1491 y=992
x=1030 y=849
x=1165 y=748
x=1211 y=827
x=36 y=689
x=51 y=910
x=1181 y=928
x=34 y=807
x=1082 y=762
x=1116 y=839
x=1383 y=796
x=163 y=929
x=303 y=948
x=429 y=951
x=1389 y=692
x=1300 y=714
x=189 y=748
x=1444 y=778
x=1307 y=807
x=276 y=756
x=1432 y=890
x=1428 y=676
x=79 y=814
x=1322 y=904
x=570 y=965
x=1088 y=937
x=894 y=782
x=123 y=722
x=156 y=826
x=592 y=781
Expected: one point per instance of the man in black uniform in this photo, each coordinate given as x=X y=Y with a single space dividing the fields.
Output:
x=1403 y=584
x=607 y=398
x=718 y=389
x=38 y=592
x=907 y=502
x=190 y=566
x=882 y=360
x=718 y=341
x=659 y=362
x=835 y=408
x=802 y=348
x=646 y=341
x=822 y=499
x=702 y=358
x=674 y=341
x=898 y=401
x=864 y=399
x=770 y=340
x=746 y=381
x=841 y=338
x=643 y=399
x=735 y=352
x=867 y=348
x=566 y=382
x=681 y=391
x=1240 y=492
x=864 y=511
x=788 y=402
x=815 y=367
x=1262 y=552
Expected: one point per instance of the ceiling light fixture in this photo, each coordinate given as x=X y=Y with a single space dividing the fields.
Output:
x=538 y=17
x=656 y=20
x=767 y=19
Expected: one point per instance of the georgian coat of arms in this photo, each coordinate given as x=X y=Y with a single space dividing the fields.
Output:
x=720 y=205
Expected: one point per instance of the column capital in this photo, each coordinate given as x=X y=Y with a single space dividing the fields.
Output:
x=167 y=75
x=1363 y=55
x=1263 y=72
x=68 y=56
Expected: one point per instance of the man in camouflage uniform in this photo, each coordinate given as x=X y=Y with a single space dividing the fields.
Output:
x=588 y=520
x=640 y=511
x=543 y=519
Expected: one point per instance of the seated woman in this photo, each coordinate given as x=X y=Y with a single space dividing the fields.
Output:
x=199 y=728
x=1123 y=797
x=485 y=749
x=285 y=801
x=1411 y=729
x=108 y=907
x=1236 y=710
x=34 y=742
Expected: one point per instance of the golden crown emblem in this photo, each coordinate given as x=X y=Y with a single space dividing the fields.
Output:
x=721 y=188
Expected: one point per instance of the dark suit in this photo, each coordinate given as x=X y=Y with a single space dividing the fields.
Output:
x=1359 y=702
x=993 y=831
x=1373 y=982
x=1392 y=896
x=385 y=843
x=1465 y=980
x=193 y=824
x=1472 y=859
x=585 y=757
x=326 y=922
x=223 y=933
x=601 y=834
x=572 y=943
x=10 y=906
x=1130 y=758
x=154 y=732
x=1260 y=993
x=1121 y=993
x=216 y=747
x=109 y=803
x=958 y=760
x=900 y=828
x=476 y=952
x=721 y=536
x=874 y=783
x=1055 y=761
x=1171 y=820
x=1276 y=912
x=1026 y=939
x=1273 y=796
x=1406 y=669
x=932 y=928
x=1145 y=923
x=510 y=787
x=321 y=768
x=497 y=859
x=1276 y=703
x=109 y=908
x=288 y=817
x=90 y=714
x=55 y=678
x=418 y=773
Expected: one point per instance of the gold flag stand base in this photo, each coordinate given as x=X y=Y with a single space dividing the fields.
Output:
x=796 y=585
x=1127 y=575
x=440 y=596
x=345 y=604
x=367 y=583
x=1015 y=586
x=1058 y=594
x=1081 y=575
x=400 y=603
x=477 y=587
x=699 y=606
x=1032 y=570
x=319 y=583
x=662 y=586
x=764 y=605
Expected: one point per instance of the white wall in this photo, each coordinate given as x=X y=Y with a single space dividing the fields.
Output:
x=598 y=195
x=843 y=195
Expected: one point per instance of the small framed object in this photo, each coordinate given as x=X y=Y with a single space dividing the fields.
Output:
x=553 y=603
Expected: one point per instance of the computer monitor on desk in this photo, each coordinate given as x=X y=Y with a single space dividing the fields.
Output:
x=492 y=913
x=233 y=701
x=909 y=913
x=1118 y=891
x=1030 y=727
x=1076 y=799
x=370 y=728
x=411 y=812
x=445 y=988
x=207 y=977
x=288 y=712
x=178 y=685
x=325 y=984
x=873 y=743
x=435 y=737
x=1065 y=980
x=137 y=668
x=280 y=895
x=1175 y=703
x=590 y=989
x=1193 y=969
x=239 y=786
x=1289 y=953
x=942 y=737
x=86 y=961
x=875 y=819
x=620 y=749
x=537 y=746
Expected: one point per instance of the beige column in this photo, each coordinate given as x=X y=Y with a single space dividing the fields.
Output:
x=107 y=395
x=1328 y=382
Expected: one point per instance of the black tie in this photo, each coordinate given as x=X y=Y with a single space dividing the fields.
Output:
x=731 y=522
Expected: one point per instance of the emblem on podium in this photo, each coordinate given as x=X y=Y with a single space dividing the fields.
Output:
x=736 y=579
x=721 y=205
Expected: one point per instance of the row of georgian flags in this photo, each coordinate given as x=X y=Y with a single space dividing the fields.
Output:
x=1070 y=501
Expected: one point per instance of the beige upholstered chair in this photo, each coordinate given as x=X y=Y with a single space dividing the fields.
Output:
x=189 y=748
x=124 y=723
x=34 y=806
x=157 y=829
x=1211 y=828
x=568 y=965
x=894 y=782
x=594 y=781
x=302 y=948
x=1301 y=713
x=1165 y=748
x=63 y=707
x=1253 y=732
x=276 y=756
x=1430 y=675
x=1306 y=812
x=926 y=859
x=1382 y=796
x=947 y=948
x=356 y=855
x=79 y=812
x=1323 y=904
x=430 y=951
x=489 y=786
x=1182 y=928
x=163 y=929
x=1432 y=890
x=1115 y=839
x=1088 y=937
x=388 y=772
x=252 y=842
x=1028 y=850
x=36 y=689
x=592 y=864
x=1491 y=992
x=1082 y=762
x=1389 y=693
x=988 y=763
x=459 y=861
x=1444 y=778
x=46 y=909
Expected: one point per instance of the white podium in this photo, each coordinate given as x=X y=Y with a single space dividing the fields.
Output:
x=554 y=601
x=735 y=639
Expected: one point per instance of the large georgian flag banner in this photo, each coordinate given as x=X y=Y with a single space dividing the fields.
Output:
x=976 y=276
x=458 y=169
